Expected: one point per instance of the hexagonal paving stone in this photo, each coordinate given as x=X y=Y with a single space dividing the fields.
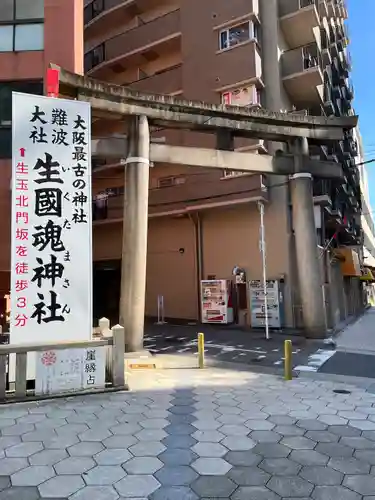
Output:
x=312 y=425
x=23 y=450
x=61 y=442
x=359 y=443
x=298 y=443
x=20 y=493
x=231 y=419
x=180 y=429
x=179 y=441
x=322 y=436
x=238 y=443
x=344 y=430
x=151 y=435
x=173 y=493
x=260 y=425
x=97 y=434
x=289 y=430
x=332 y=420
x=209 y=450
x=280 y=466
x=17 y=430
x=322 y=476
x=104 y=475
x=265 y=436
x=47 y=457
x=4 y=482
x=366 y=456
x=176 y=476
x=213 y=487
x=206 y=425
x=254 y=493
x=335 y=450
x=211 y=466
x=364 y=485
x=72 y=429
x=178 y=456
x=181 y=410
x=59 y=486
x=135 y=486
x=208 y=436
x=363 y=425
x=272 y=450
x=179 y=419
x=334 y=493
x=143 y=465
x=112 y=457
x=154 y=423
x=282 y=420
x=75 y=465
x=290 y=486
x=32 y=476
x=9 y=466
x=147 y=449
x=369 y=434
x=349 y=465
x=234 y=430
x=120 y=442
x=308 y=457
x=96 y=492
x=125 y=429
x=85 y=449
x=248 y=476
x=242 y=458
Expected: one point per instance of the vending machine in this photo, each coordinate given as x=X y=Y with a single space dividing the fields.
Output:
x=216 y=296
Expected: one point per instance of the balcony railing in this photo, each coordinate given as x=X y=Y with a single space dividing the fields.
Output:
x=97 y=7
x=166 y=81
x=287 y=7
x=301 y=59
x=134 y=39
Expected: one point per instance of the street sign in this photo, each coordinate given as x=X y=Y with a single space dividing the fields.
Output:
x=51 y=277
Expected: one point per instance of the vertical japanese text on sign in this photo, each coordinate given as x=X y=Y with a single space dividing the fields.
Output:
x=51 y=232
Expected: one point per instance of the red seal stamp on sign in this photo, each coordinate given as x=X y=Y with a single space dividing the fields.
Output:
x=49 y=358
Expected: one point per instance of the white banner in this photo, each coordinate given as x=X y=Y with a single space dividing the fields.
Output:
x=51 y=282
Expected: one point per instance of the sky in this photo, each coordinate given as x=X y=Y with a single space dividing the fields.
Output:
x=361 y=31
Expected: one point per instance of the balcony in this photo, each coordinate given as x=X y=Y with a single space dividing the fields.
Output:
x=302 y=74
x=167 y=81
x=134 y=45
x=298 y=18
x=192 y=193
x=245 y=65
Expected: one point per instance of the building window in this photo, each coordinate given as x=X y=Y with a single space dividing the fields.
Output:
x=250 y=30
x=21 y=25
x=6 y=89
x=242 y=96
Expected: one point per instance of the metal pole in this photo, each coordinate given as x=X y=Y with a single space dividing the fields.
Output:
x=135 y=225
x=264 y=266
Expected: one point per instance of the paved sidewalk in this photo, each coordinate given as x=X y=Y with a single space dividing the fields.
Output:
x=360 y=335
x=194 y=434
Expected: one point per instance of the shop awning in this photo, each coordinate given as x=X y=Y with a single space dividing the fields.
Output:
x=349 y=260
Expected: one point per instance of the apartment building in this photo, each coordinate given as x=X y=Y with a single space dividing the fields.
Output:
x=289 y=55
x=32 y=34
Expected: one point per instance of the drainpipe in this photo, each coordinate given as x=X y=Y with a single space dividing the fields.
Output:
x=197 y=221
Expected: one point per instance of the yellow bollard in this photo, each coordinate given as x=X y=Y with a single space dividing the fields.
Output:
x=288 y=360
x=201 y=350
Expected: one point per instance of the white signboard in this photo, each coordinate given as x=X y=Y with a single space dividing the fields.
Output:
x=257 y=309
x=70 y=370
x=51 y=282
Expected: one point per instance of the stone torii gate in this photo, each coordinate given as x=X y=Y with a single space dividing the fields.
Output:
x=140 y=110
